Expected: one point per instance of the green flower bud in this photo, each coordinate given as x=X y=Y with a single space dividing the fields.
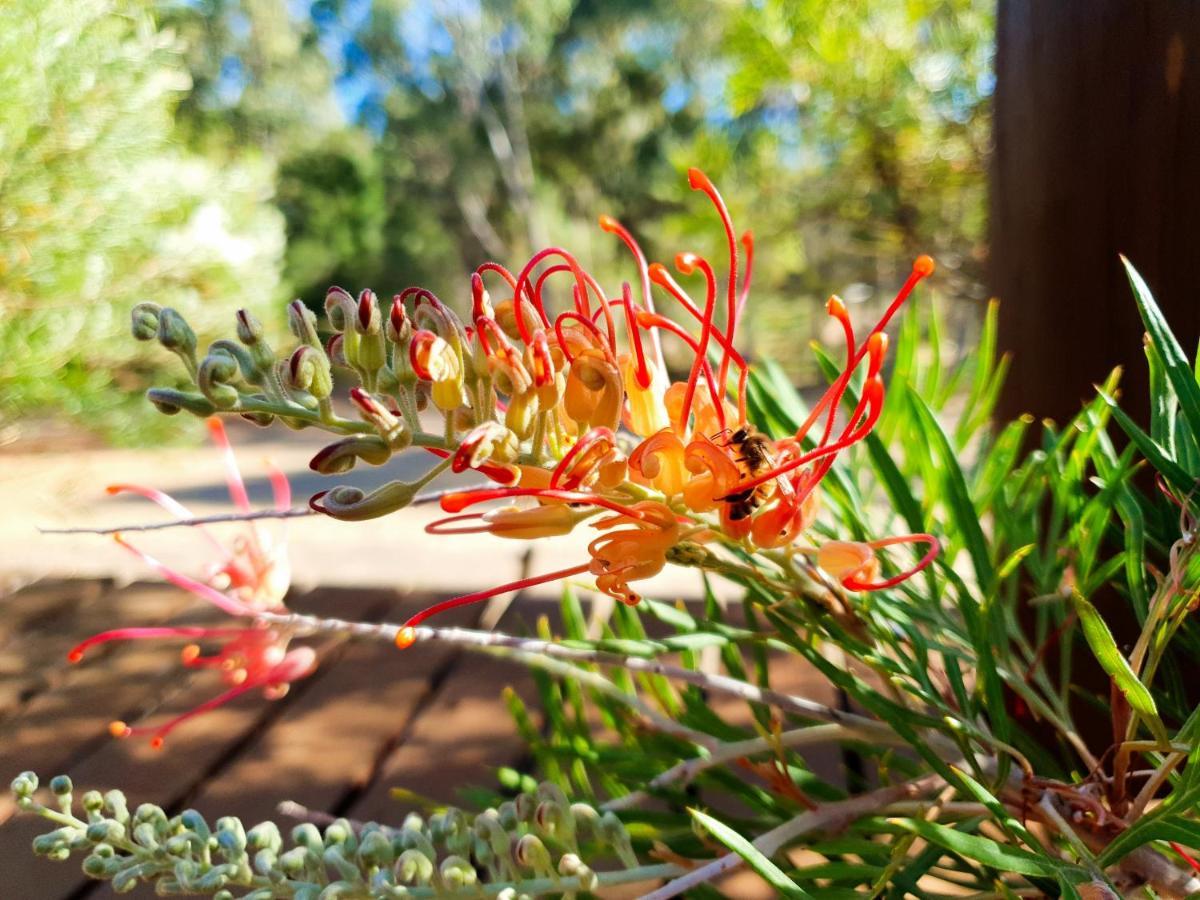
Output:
x=144 y=834
x=25 y=784
x=108 y=831
x=45 y=844
x=371 y=352
x=613 y=832
x=307 y=835
x=266 y=863
x=169 y=402
x=524 y=805
x=193 y=821
x=572 y=866
x=92 y=802
x=175 y=334
x=127 y=879
x=340 y=831
x=335 y=349
x=375 y=850
x=507 y=814
x=249 y=328
x=340 y=456
x=488 y=826
x=146 y=812
x=308 y=369
x=414 y=867
x=215 y=379
x=296 y=861
x=350 y=504
x=184 y=844
x=340 y=308
x=335 y=857
x=457 y=873
x=531 y=853
x=250 y=332
x=264 y=836
x=101 y=867
x=144 y=321
x=60 y=785
x=302 y=322
x=215 y=878
x=231 y=836
x=586 y=819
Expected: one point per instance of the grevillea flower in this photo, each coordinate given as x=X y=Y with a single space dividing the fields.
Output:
x=249 y=576
x=559 y=393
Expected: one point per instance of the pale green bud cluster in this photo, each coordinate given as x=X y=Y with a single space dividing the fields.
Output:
x=244 y=375
x=526 y=847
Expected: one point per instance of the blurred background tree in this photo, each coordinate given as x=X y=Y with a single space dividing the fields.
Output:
x=404 y=142
x=100 y=208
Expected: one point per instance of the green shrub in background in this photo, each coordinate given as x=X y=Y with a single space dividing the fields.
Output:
x=100 y=208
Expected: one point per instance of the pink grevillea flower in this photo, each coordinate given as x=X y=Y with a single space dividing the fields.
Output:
x=249 y=576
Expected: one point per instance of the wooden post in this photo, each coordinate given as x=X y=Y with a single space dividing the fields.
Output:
x=1097 y=152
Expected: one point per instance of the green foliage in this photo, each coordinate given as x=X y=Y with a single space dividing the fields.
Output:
x=100 y=209
x=984 y=653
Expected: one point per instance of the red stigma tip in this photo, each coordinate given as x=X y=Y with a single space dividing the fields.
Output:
x=686 y=262
x=75 y=656
x=923 y=266
x=697 y=180
x=658 y=273
x=156 y=742
x=113 y=489
x=366 y=304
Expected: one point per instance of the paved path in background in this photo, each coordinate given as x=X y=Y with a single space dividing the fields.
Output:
x=67 y=489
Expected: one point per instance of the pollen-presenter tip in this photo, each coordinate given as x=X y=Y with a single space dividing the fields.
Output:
x=696 y=179
x=119 y=729
x=406 y=637
x=924 y=266
x=156 y=742
x=608 y=223
x=75 y=655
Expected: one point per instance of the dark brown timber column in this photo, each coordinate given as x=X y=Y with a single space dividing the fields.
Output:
x=1097 y=152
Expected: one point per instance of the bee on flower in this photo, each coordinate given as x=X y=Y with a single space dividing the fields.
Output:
x=249 y=576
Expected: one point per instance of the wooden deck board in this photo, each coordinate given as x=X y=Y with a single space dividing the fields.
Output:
x=323 y=751
x=429 y=720
x=168 y=777
x=461 y=736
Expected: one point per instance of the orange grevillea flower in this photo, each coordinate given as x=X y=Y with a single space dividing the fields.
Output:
x=249 y=576
x=635 y=552
x=559 y=393
x=855 y=565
